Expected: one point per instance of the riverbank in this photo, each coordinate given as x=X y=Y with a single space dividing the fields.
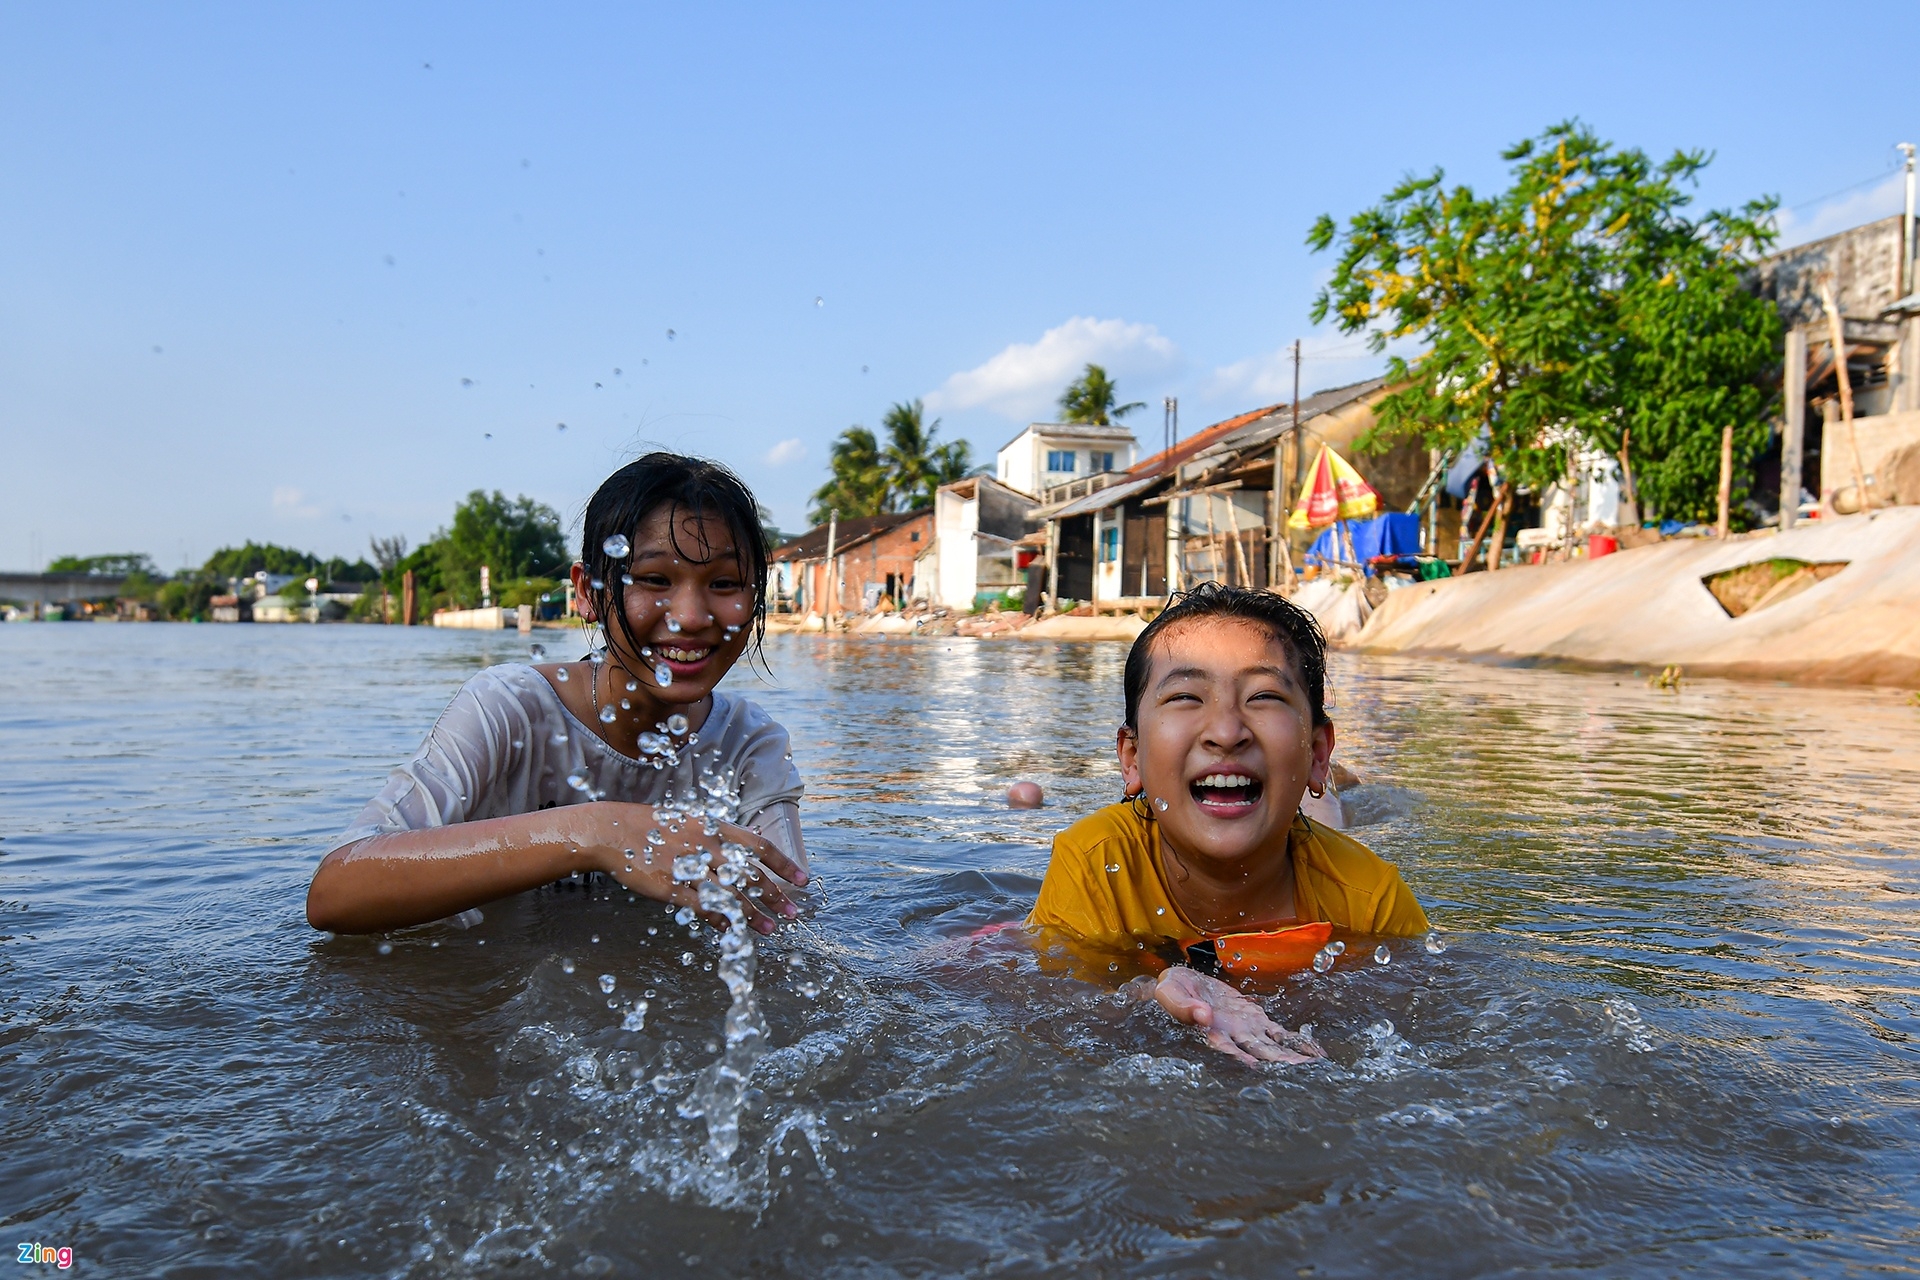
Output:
x=1652 y=607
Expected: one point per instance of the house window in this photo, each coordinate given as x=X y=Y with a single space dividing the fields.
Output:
x=1099 y=462
x=1110 y=543
x=1060 y=460
x=914 y=536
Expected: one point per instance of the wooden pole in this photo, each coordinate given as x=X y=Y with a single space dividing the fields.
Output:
x=1838 y=333
x=1278 y=561
x=1498 y=545
x=1239 y=549
x=831 y=596
x=1471 y=550
x=1793 y=439
x=1720 y=525
x=1632 y=493
x=406 y=598
x=1053 y=565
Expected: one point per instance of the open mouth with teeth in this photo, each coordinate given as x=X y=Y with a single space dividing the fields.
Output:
x=1225 y=794
x=684 y=661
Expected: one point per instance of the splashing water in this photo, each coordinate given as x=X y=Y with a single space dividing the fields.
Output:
x=617 y=547
x=677 y=725
x=608 y=715
x=662 y=674
x=537 y=652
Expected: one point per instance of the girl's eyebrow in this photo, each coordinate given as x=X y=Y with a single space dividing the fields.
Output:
x=1201 y=673
x=655 y=553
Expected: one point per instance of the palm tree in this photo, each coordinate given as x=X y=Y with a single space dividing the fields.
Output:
x=917 y=466
x=860 y=483
x=1091 y=399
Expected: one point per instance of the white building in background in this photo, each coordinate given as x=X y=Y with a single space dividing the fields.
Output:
x=976 y=521
x=1050 y=453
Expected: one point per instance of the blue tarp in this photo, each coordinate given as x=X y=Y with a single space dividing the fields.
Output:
x=1397 y=534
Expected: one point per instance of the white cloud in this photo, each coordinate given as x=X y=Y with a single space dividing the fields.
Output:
x=1869 y=204
x=790 y=450
x=1326 y=360
x=289 y=501
x=1025 y=379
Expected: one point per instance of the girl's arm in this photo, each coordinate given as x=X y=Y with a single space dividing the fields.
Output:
x=401 y=878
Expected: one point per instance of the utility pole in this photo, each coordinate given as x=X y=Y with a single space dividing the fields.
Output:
x=1170 y=422
x=1905 y=274
x=1299 y=455
x=833 y=579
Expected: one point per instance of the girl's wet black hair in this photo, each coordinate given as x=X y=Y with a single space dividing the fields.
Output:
x=693 y=486
x=1288 y=623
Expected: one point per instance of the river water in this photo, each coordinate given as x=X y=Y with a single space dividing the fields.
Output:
x=1673 y=1030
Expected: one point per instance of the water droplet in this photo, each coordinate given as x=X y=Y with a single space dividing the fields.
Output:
x=1113 y=868
x=673 y=625
x=596 y=584
x=385 y=948
x=663 y=674
x=633 y=686
x=676 y=724
x=606 y=984
x=1322 y=960
x=537 y=651
x=617 y=547
x=560 y=674
x=1382 y=955
x=560 y=739
x=1337 y=948
x=625 y=705
x=566 y=966
x=819 y=302
x=636 y=1019
x=579 y=780
x=594 y=938
x=1435 y=944
x=669 y=335
x=533 y=1088
x=686 y=957
x=1599 y=1122
x=683 y=916
x=1113 y=966
x=608 y=715
x=626 y=579
x=1161 y=805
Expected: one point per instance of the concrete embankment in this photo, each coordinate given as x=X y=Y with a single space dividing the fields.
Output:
x=1651 y=607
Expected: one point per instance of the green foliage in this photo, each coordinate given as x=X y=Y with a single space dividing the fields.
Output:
x=513 y=539
x=188 y=599
x=244 y=562
x=870 y=480
x=858 y=482
x=523 y=591
x=111 y=565
x=1576 y=303
x=1094 y=398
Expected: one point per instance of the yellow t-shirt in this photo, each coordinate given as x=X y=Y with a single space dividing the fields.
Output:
x=1335 y=878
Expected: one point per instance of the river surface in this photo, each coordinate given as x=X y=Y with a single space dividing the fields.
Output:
x=1673 y=1030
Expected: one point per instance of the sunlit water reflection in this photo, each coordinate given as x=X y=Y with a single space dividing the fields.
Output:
x=1673 y=1028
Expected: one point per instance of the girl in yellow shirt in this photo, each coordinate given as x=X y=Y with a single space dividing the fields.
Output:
x=1226 y=729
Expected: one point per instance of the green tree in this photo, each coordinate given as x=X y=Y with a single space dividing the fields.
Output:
x=1094 y=398
x=516 y=539
x=858 y=483
x=1561 y=311
x=245 y=561
x=120 y=565
x=916 y=465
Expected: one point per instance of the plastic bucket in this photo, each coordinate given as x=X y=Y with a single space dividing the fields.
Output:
x=1601 y=544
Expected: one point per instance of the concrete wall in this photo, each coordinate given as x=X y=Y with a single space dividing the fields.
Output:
x=1879 y=437
x=1864 y=262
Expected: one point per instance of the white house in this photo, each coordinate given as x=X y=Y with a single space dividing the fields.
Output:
x=975 y=524
x=1050 y=453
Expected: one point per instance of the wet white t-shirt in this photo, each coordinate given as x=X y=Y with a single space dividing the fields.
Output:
x=506 y=745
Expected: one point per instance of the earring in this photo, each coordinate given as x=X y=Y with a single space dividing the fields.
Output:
x=1315 y=794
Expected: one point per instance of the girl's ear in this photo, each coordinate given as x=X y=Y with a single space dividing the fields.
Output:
x=583 y=592
x=1322 y=757
x=1126 y=745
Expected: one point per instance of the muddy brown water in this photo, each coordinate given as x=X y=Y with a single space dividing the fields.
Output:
x=1673 y=1030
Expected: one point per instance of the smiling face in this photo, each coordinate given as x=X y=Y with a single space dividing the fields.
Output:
x=1225 y=742
x=689 y=609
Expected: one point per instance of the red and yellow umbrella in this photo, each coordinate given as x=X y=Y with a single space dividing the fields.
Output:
x=1334 y=491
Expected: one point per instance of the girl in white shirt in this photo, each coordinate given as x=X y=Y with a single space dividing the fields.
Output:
x=535 y=772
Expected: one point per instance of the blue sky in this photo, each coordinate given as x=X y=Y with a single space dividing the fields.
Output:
x=311 y=273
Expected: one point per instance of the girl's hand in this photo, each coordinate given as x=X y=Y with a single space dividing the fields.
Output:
x=759 y=892
x=1234 y=1024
